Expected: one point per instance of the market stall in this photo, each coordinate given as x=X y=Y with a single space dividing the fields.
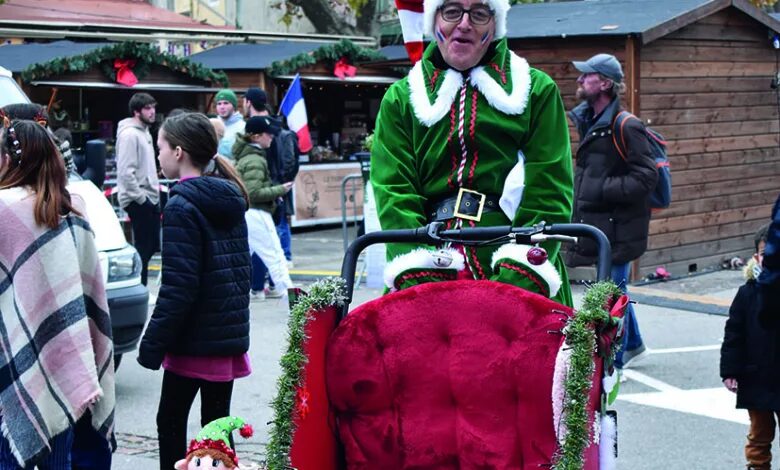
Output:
x=86 y=86
x=342 y=93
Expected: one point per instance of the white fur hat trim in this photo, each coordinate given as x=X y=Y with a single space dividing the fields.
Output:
x=500 y=7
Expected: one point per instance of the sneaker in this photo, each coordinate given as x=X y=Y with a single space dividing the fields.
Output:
x=273 y=293
x=256 y=296
x=621 y=376
x=634 y=356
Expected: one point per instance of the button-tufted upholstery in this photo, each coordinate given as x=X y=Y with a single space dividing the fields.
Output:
x=449 y=375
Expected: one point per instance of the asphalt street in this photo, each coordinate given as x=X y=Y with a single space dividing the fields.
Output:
x=673 y=412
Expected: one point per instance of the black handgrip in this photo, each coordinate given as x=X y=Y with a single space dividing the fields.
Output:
x=433 y=235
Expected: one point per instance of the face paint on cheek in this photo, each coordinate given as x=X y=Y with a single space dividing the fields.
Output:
x=485 y=37
x=440 y=35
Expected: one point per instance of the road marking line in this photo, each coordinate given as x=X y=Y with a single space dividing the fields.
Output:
x=716 y=403
x=709 y=347
x=704 y=299
x=649 y=381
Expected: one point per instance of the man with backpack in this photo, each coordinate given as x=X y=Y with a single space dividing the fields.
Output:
x=614 y=178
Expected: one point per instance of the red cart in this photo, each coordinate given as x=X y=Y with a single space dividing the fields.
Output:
x=450 y=375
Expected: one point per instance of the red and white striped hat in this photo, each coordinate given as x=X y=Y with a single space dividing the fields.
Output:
x=417 y=18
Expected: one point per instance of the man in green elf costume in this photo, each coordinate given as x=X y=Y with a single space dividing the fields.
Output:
x=473 y=136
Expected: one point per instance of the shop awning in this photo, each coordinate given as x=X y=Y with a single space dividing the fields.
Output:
x=139 y=87
x=17 y=57
x=252 y=56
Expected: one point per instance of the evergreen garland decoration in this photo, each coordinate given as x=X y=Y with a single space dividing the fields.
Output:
x=329 y=54
x=581 y=338
x=144 y=54
x=323 y=293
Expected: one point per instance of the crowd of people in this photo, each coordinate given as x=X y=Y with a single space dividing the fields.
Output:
x=496 y=152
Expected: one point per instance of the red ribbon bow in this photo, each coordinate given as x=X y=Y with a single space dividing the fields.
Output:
x=342 y=69
x=302 y=397
x=124 y=72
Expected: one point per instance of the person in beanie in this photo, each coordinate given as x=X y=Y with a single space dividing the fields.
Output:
x=251 y=163
x=212 y=448
x=473 y=136
x=227 y=110
x=611 y=193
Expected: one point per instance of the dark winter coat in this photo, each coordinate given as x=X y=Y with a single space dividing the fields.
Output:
x=283 y=162
x=769 y=281
x=612 y=193
x=203 y=304
x=749 y=353
x=252 y=166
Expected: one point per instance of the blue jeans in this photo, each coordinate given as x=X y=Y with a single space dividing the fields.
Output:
x=58 y=458
x=259 y=274
x=632 y=338
x=283 y=230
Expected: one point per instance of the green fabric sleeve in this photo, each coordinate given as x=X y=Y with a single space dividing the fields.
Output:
x=394 y=173
x=549 y=191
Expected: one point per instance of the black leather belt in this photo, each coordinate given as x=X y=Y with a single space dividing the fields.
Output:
x=467 y=204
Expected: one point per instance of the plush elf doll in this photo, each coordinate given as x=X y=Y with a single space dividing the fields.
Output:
x=489 y=141
x=211 y=447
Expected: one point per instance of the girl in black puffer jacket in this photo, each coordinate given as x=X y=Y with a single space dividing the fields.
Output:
x=199 y=331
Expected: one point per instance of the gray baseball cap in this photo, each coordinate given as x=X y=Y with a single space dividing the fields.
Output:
x=605 y=64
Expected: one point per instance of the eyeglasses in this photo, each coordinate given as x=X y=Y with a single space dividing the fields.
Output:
x=478 y=14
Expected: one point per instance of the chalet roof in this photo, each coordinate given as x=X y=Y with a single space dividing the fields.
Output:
x=17 y=57
x=649 y=19
x=252 y=56
x=134 y=13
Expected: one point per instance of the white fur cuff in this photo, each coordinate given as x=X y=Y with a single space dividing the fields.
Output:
x=421 y=258
x=519 y=254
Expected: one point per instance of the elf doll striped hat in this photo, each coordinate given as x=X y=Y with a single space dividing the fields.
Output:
x=499 y=7
x=213 y=442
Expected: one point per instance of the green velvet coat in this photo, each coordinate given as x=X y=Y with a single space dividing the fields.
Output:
x=505 y=107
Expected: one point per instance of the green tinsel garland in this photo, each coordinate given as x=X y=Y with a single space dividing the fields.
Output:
x=323 y=293
x=581 y=338
x=145 y=55
x=330 y=54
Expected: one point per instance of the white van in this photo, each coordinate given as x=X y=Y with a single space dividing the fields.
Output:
x=128 y=299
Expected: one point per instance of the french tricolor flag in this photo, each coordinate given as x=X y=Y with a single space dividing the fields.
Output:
x=294 y=109
x=410 y=12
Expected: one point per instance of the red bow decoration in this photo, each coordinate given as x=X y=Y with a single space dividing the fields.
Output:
x=302 y=397
x=124 y=72
x=610 y=332
x=342 y=69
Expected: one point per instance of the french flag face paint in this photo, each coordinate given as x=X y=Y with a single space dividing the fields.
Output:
x=440 y=35
x=486 y=37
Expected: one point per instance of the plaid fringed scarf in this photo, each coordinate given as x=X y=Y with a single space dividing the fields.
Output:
x=56 y=352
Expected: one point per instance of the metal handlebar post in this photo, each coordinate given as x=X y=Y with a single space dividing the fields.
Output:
x=344 y=182
x=433 y=234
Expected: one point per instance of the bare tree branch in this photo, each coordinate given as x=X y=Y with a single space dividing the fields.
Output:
x=324 y=18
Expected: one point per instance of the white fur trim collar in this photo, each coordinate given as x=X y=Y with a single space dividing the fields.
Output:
x=494 y=93
x=519 y=254
x=420 y=258
x=513 y=104
x=429 y=114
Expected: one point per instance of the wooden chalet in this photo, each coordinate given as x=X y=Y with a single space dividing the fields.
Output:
x=701 y=73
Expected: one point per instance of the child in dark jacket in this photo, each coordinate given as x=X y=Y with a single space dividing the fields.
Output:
x=199 y=331
x=748 y=364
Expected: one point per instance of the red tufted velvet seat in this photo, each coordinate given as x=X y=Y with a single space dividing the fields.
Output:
x=448 y=375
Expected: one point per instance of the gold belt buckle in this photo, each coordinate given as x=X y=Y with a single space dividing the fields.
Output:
x=480 y=205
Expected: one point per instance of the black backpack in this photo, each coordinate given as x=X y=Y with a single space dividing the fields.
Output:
x=661 y=196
